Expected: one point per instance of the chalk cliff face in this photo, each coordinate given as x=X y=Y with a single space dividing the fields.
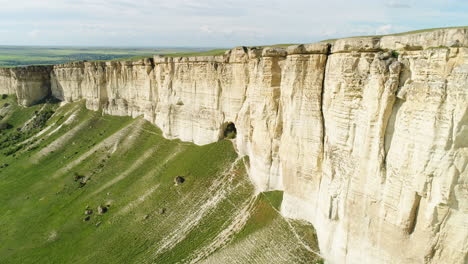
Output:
x=367 y=137
x=30 y=84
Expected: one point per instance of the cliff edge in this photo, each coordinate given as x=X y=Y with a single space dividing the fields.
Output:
x=367 y=137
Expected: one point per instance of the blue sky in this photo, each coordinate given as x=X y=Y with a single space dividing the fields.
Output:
x=215 y=23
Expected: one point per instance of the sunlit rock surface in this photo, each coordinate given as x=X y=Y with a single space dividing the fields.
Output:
x=30 y=84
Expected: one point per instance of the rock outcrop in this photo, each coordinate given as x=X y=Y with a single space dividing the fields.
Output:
x=368 y=137
x=30 y=84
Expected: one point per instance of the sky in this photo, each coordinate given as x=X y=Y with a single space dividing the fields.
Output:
x=215 y=23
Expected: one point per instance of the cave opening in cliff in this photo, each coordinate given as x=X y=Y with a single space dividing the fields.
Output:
x=229 y=131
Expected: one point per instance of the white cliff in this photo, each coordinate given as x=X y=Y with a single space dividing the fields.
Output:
x=30 y=84
x=367 y=138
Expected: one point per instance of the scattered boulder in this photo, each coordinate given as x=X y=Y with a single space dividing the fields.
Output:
x=98 y=224
x=87 y=218
x=101 y=209
x=88 y=212
x=146 y=217
x=4 y=126
x=162 y=211
x=77 y=177
x=274 y=52
x=179 y=180
x=384 y=55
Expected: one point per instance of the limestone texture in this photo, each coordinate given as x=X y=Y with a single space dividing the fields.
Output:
x=30 y=84
x=367 y=137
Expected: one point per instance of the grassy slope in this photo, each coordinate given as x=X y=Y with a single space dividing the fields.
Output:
x=213 y=217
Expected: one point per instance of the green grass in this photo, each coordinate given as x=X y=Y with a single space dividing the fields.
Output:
x=264 y=212
x=128 y=165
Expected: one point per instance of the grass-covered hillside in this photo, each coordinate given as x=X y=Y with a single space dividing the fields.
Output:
x=78 y=186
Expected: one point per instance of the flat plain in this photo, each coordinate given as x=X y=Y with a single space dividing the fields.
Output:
x=12 y=56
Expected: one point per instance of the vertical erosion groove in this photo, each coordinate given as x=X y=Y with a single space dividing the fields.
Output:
x=413 y=217
x=322 y=93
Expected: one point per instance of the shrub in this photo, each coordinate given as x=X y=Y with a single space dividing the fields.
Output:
x=4 y=126
x=231 y=135
x=12 y=150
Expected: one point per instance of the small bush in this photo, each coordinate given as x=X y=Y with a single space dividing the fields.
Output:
x=395 y=54
x=231 y=135
x=4 y=96
x=12 y=150
x=5 y=126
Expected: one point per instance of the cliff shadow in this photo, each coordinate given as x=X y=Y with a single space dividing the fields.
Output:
x=228 y=131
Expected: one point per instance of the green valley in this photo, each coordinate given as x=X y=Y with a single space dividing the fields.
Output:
x=78 y=186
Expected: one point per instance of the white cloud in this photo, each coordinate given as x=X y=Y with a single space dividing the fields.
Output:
x=383 y=30
x=206 y=29
x=33 y=33
x=397 y=4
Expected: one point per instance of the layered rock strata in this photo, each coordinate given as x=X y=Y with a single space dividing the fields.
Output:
x=367 y=137
x=30 y=84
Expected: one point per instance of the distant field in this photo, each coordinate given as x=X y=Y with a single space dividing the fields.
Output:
x=11 y=56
